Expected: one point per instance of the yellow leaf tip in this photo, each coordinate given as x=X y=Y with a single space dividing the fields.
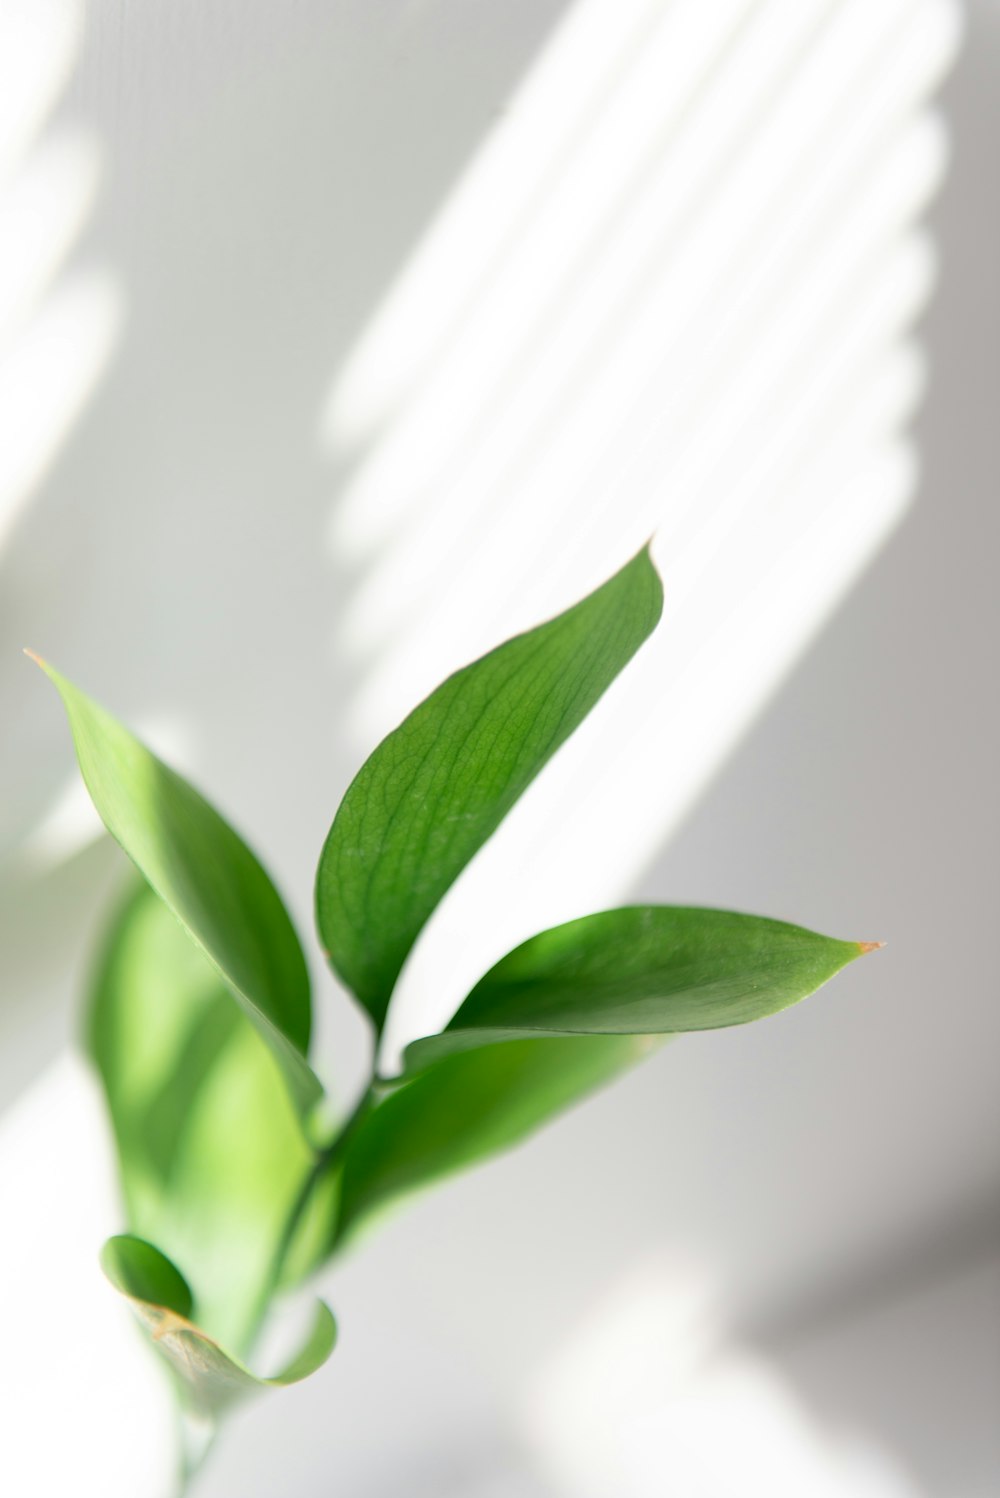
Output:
x=865 y=947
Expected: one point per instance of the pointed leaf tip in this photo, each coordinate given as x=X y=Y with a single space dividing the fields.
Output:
x=640 y=970
x=206 y=875
x=441 y=783
x=864 y=947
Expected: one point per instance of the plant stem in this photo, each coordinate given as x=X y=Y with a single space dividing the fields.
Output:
x=326 y=1160
x=196 y=1437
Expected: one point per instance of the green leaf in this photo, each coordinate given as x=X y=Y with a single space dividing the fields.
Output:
x=142 y=1272
x=156 y=1019
x=212 y=1152
x=440 y=784
x=205 y=874
x=465 y=1108
x=558 y=1016
x=644 y=969
x=209 y=1378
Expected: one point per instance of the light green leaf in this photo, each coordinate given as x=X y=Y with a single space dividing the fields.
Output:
x=205 y=874
x=209 y=1378
x=465 y=1108
x=644 y=969
x=212 y=1152
x=440 y=784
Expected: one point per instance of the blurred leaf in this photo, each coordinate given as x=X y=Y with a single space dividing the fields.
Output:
x=209 y=1378
x=157 y=1017
x=440 y=784
x=465 y=1108
x=644 y=969
x=142 y=1272
x=211 y=1149
x=205 y=874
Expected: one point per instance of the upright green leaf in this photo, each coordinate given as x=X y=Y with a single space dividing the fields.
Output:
x=465 y=1108
x=646 y=970
x=440 y=784
x=209 y=1379
x=205 y=874
x=212 y=1152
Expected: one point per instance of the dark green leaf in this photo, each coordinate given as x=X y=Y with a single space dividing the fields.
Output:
x=467 y=1107
x=437 y=787
x=142 y=1272
x=209 y=1378
x=205 y=874
x=211 y=1149
x=645 y=969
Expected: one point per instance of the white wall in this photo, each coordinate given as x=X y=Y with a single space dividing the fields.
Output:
x=265 y=171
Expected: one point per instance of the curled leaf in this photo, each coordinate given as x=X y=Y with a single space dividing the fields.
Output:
x=211 y=1151
x=209 y=1379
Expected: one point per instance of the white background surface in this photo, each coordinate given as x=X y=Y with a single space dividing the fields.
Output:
x=265 y=172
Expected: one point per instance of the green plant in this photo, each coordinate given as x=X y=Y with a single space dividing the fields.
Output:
x=236 y=1186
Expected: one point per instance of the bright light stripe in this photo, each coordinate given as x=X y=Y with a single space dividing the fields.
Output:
x=857 y=399
x=45 y=380
x=806 y=337
x=749 y=484
x=41 y=211
x=856 y=33
x=899 y=190
x=39 y=40
x=71 y=822
x=629 y=775
x=686 y=317
x=891 y=299
x=506 y=331
x=390 y=590
x=51 y=353
x=650 y=1397
x=86 y=1409
x=649 y=490
x=554 y=112
x=54 y=345
x=578 y=844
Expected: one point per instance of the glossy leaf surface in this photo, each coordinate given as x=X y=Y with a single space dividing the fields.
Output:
x=211 y=1150
x=440 y=784
x=205 y=874
x=643 y=969
x=209 y=1379
x=465 y=1108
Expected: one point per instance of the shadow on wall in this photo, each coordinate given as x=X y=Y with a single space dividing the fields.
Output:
x=262 y=180
x=263 y=185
